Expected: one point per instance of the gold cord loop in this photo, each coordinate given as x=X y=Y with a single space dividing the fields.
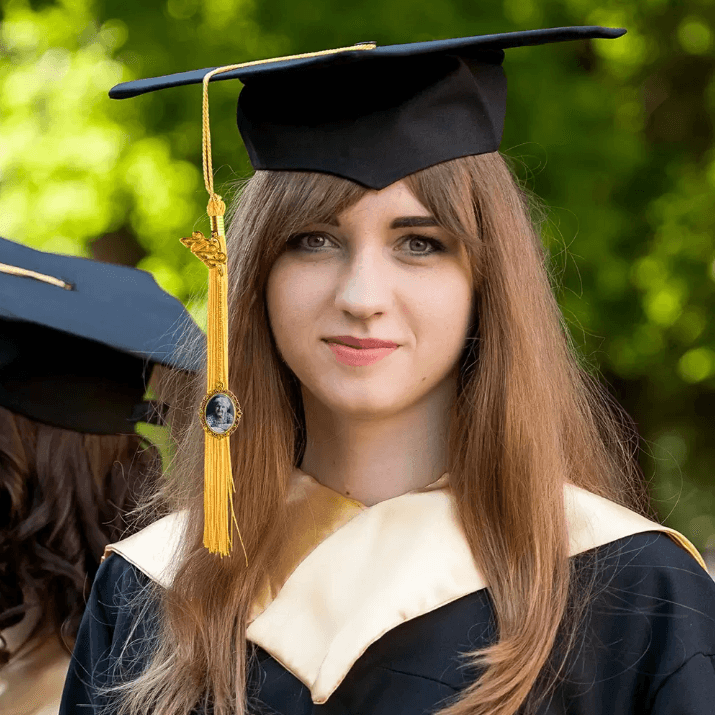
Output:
x=26 y=273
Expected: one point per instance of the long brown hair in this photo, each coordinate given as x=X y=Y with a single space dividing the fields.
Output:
x=527 y=420
x=63 y=497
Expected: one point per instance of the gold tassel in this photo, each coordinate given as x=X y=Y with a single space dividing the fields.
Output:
x=220 y=411
x=218 y=476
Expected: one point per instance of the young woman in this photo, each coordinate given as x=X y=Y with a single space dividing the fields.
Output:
x=439 y=511
x=71 y=464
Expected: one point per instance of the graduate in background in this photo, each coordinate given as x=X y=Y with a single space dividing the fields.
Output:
x=435 y=509
x=79 y=340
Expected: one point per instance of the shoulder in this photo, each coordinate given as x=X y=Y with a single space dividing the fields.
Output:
x=652 y=599
x=650 y=624
x=116 y=587
x=155 y=550
x=595 y=521
x=655 y=549
x=112 y=636
x=647 y=585
x=592 y=522
x=116 y=574
x=652 y=563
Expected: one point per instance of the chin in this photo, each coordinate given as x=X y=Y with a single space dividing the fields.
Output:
x=367 y=402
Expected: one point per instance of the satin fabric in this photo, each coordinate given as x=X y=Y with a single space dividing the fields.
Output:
x=351 y=573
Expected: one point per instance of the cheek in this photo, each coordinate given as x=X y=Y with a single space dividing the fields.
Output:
x=442 y=310
x=277 y=290
x=292 y=299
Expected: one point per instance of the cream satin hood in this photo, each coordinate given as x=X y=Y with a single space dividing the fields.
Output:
x=355 y=572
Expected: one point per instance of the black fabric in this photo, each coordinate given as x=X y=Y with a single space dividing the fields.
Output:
x=69 y=382
x=80 y=357
x=647 y=648
x=375 y=115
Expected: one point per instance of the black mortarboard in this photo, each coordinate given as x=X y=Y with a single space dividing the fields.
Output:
x=374 y=114
x=78 y=339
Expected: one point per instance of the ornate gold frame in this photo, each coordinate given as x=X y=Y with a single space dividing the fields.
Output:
x=238 y=413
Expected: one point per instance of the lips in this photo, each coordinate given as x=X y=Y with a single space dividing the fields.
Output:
x=359 y=352
x=361 y=343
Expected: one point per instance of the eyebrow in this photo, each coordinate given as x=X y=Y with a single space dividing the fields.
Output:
x=402 y=222
x=414 y=222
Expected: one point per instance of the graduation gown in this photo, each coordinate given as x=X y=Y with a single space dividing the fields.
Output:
x=372 y=607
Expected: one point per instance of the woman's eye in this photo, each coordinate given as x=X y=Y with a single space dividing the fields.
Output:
x=309 y=241
x=423 y=246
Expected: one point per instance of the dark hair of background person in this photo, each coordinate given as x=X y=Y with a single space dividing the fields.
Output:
x=63 y=496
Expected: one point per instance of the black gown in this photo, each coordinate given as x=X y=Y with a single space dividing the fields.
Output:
x=648 y=645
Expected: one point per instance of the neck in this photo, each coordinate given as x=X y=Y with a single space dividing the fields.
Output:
x=373 y=458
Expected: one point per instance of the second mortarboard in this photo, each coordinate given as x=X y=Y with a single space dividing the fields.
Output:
x=79 y=338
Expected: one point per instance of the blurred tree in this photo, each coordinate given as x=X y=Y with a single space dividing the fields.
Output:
x=615 y=136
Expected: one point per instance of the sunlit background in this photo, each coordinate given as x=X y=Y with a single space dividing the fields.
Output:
x=615 y=136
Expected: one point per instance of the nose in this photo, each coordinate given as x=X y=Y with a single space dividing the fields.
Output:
x=364 y=287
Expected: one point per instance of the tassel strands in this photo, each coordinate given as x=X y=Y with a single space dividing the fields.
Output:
x=218 y=476
x=220 y=411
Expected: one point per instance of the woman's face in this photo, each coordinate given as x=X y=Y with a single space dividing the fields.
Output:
x=381 y=270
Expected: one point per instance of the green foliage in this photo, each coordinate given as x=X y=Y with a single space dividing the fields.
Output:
x=615 y=136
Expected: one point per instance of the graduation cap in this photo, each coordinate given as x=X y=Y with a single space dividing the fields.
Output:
x=78 y=340
x=366 y=113
x=373 y=114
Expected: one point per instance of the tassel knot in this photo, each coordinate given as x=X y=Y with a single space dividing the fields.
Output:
x=216 y=206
